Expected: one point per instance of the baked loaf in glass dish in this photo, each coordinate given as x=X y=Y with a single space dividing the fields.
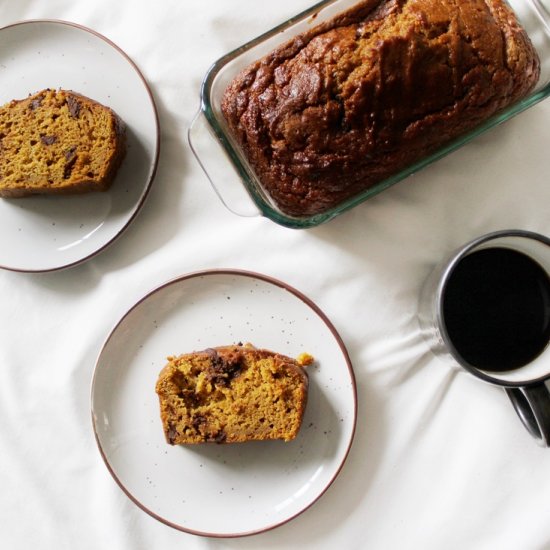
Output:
x=232 y=394
x=58 y=142
x=355 y=100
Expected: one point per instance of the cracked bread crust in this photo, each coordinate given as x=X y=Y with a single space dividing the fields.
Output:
x=357 y=99
x=58 y=142
x=231 y=394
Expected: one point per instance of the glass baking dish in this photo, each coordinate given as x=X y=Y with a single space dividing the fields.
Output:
x=225 y=164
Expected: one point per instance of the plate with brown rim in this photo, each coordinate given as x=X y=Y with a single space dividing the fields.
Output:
x=47 y=233
x=221 y=490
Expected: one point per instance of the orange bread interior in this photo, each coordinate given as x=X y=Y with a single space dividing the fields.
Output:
x=58 y=141
x=232 y=394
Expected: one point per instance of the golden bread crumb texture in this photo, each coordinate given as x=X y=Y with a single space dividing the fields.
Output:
x=232 y=394
x=58 y=141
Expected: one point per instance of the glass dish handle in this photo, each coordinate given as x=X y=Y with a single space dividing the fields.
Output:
x=218 y=169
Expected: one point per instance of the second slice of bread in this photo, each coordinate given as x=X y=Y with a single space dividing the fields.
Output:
x=58 y=141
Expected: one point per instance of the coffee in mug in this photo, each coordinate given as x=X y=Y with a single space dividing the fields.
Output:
x=487 y=309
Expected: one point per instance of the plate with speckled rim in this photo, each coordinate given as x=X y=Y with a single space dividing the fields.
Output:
x=47 y=233
x=214 y=489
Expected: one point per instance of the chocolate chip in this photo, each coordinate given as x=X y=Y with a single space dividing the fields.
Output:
x=48 y=140
x=35 y=103
x=69 y=165
x=218 y=437
x=221 y=436
x=74 y=107
x=172 y=433
x=191 y=398
x=222 y=370
x=198 y=421
x=180 y=380
x=70 y=153
x=213 y=354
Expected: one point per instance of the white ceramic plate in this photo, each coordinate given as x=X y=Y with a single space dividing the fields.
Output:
x=49 y=233
x=221 y=490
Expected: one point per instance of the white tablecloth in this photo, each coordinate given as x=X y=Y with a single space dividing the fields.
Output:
x=439 y=460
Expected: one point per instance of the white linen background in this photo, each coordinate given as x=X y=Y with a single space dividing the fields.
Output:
x=440 y=460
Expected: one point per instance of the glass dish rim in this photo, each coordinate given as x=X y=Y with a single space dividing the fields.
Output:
x=251 y=182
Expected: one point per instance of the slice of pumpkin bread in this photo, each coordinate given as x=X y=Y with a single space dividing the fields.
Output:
x=58 y=142
x=232 y=394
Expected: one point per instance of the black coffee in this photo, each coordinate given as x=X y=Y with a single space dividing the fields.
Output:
x=496 y=308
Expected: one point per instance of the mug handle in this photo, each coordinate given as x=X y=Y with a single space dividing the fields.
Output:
x=532 y=403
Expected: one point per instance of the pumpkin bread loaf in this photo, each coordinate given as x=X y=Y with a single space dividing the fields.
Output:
x=232 y=394
x=58 y=141
x=355 y=100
